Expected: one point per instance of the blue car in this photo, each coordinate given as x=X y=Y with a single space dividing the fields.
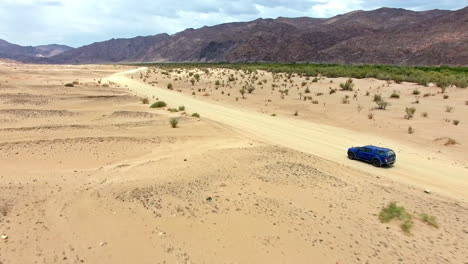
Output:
x=376 y=155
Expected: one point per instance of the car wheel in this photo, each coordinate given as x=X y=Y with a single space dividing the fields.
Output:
x=376 y=163
x=351 y=155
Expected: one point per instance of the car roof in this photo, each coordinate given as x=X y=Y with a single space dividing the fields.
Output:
x=378 y=148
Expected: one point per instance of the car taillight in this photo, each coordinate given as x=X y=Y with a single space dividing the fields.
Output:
x=386 y=159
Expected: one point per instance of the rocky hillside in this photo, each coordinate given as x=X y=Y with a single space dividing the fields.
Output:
x=22 y=53
x=381 y=36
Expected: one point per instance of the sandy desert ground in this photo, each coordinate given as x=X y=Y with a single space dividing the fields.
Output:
x=90 y=174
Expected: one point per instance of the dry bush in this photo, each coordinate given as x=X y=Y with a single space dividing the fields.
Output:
x=409 y=112
x=395 y=95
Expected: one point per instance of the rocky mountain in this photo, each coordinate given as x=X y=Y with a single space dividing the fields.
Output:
x=22 y=53
x=381 y=36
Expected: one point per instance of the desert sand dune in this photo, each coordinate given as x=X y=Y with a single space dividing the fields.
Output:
x=324 y=141
x=93 y=175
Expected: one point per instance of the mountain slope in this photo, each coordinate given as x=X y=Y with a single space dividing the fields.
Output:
x=21 y=53
x=381 y=36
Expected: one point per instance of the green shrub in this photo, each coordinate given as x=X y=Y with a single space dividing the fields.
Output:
x=348 y=85
x=69 y=85
x=170 y=87
x=395 y=95
x=430 y=220
x=392 y=211
x=416 y=92
x=174 y=122
x=158 y=104
x=196 y=115
x=443 y=76
x=144 y=100
x=181 y=108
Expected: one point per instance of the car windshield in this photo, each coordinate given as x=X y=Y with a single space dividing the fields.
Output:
x=390 y=153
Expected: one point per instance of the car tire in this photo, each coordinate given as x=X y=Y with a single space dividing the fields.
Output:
x=376 y=163
x=351 y=155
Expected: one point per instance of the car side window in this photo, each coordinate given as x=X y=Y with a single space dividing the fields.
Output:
x=380 y=152
x=361 y=149
x=368 y=150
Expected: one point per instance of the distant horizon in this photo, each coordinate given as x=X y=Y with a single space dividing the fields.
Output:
x=82 y=32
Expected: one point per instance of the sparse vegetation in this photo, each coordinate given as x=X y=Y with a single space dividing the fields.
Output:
x=69 y=85
x=456 y=122
x=348 y=85
x=242 y=92
x=429 y=219
x=395 y=95
x=424 y=114
x=181 y=108
x=393 y=211
x=158 y=104
x=409 y=112
x=381 y=104
x=174 y=122
x=416 y=92
x=197 y=115
x=345 y=100
x=448 y=109
x=144 y=100
x=169 y=86
x=377 y=97
x=410 y=130
x=370 y=115
x=442 y=76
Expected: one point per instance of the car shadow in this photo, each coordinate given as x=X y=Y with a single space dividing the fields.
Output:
x=370 y=163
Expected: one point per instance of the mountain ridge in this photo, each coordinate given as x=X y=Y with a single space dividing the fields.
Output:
x=380 y=36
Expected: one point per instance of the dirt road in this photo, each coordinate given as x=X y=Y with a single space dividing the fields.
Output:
x=414 y=166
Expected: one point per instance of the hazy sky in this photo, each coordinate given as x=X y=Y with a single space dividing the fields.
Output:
x=81 y=22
